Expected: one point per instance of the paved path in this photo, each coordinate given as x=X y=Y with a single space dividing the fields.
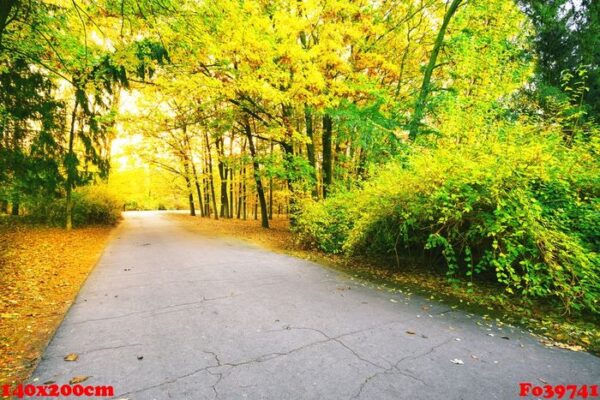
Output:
x=216 y=318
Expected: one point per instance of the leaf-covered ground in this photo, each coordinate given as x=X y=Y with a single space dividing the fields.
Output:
x=41 y=271
x=553 y=329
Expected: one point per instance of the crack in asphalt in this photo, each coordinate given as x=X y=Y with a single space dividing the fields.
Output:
x=99 y=349
x=337 y=340
x=262 y=358
x=166 y=382
x=395 y=367
x=156 y=311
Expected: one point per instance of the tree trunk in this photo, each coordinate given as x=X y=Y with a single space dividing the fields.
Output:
x=241 y=178
x=231 y=180
x=327 y=154
x=205 y=188
x=194 y=173
x=210 y=176
x=244 y=196
x=259 y=187
x=15 y=208
x=224 y=212
x=70 y=178
x=256 y=208
x=188 y=184
x=271 y=190
x=310 y=149
x=198 y=192
x=4 y=206
x=421 y=103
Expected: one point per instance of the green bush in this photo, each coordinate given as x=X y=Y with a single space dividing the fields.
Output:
x=91 y=205
x=522 y=209
x=323 y=225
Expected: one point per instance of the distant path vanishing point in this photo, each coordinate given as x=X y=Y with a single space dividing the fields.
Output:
x=171 y=314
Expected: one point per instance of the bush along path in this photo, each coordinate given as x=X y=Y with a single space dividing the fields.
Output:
x=482 y=211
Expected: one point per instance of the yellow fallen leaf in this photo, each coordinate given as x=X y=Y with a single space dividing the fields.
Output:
x=71 y=357
x=78 y=379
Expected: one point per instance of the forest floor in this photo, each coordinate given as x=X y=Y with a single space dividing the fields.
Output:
x=41 y=271
x=574 y=332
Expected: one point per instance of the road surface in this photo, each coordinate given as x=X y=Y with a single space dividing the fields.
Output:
x=171 y=314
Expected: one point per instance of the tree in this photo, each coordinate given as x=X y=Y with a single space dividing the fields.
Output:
x=421 y=104
x=567 y=38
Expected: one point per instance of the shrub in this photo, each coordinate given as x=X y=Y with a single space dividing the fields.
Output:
x=323 y=225
x=91 y=205
x=522 y=209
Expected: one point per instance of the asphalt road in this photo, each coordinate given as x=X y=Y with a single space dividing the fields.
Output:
x=171 y=314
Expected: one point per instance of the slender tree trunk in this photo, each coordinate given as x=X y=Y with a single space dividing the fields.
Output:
x=190 y=196
x=188 y=184
x=205 y=188
x=210 y=176
x=259 y=187
x=310 y=149
x=231 y=178
x=194 y=173
x=4 y=206
x=327 y=154
x=198 y=192
x=231 y=185
x=256 y=208
x=70 y=167
x=421 y=102
x=224 y=212
x=239 y=205
x=245 y=195
x=15 y=208
x=271 y=190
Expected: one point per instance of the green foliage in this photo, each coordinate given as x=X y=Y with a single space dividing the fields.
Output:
x=567 y=36
x=91 y=205
x=324 y=225
x=522 y=210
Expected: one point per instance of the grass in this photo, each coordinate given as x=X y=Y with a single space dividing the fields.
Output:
x=41 y=271
x=554 y=329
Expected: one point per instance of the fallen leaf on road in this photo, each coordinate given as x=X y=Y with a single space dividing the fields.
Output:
x=78 y=379
x=474 y=357
x=543 y=380
x=71 y=357
x=410 y=332
x=549 y=343
x=393 y=301
x=49 y=382
x=505 y=338
x=140 y=357
x=457 y=361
